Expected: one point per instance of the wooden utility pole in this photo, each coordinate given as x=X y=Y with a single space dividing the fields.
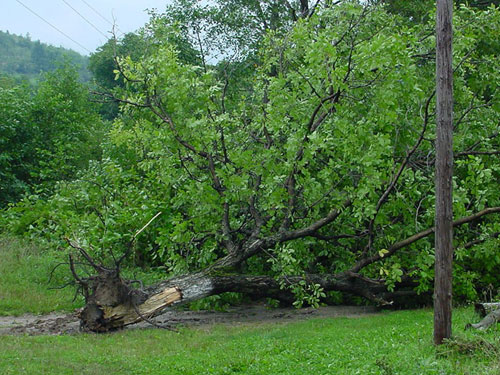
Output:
x=444 y=173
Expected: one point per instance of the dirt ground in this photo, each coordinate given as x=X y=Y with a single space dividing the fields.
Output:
x=68 y=324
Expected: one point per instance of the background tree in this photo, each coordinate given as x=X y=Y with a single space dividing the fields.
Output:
x=48 y=136
x=418 y=11
x=15 y=142
x=103 y=63
x=25 y=59
x=69 y=130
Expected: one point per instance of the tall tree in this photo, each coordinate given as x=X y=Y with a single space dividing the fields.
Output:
x=444 y=173
x=46 y=136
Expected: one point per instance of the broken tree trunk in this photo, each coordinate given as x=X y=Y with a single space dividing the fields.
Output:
x=112 y=304
x=484 y=308
x=490 y=319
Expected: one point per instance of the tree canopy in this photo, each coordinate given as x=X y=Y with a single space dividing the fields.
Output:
x=46 y=136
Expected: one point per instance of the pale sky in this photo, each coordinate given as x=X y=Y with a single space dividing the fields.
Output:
x=129 y=15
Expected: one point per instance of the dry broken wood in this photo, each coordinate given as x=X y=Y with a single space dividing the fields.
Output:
x=487 y=321
x=484 y=308
x=123 y=315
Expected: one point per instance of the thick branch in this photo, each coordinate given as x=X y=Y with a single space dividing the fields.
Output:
x=311 y=229
x=465 y=153
x=399 y=245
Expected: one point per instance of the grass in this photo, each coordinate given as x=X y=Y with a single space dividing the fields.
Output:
x=388 y=344
x=24 y=279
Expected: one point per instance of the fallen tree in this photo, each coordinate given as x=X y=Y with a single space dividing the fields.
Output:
x=112 y=303
x=304 y=169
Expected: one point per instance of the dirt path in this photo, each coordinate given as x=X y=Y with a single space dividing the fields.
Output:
x=62 y=324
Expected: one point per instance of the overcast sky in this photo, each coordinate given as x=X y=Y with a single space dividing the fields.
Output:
x=129 y=15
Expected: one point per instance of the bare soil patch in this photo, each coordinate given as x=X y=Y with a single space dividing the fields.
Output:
x=68 y=324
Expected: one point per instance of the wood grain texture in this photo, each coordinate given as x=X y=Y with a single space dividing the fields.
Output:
x=444 y=173
x=125 y=315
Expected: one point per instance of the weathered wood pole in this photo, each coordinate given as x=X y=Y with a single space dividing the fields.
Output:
x=444 y=173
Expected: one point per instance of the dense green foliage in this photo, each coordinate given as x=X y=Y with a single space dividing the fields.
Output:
x=103 y=63
x=324 y=115
x=396 y=343
x=25 y=59
x=46 y=136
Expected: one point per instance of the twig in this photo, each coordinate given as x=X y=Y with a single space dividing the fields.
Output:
x=133 y=240
x=147 y=224
x=82 y=251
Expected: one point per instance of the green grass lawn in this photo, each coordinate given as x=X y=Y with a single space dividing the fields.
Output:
x=24 y=279
x=388 y=343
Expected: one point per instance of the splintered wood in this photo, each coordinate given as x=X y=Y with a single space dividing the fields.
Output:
x=490 y=319
x=127 y=314
x=484 y=308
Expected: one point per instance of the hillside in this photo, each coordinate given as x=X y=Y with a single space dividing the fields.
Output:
x=24 y=58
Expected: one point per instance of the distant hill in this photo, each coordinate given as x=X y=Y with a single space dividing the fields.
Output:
x=24 y=59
